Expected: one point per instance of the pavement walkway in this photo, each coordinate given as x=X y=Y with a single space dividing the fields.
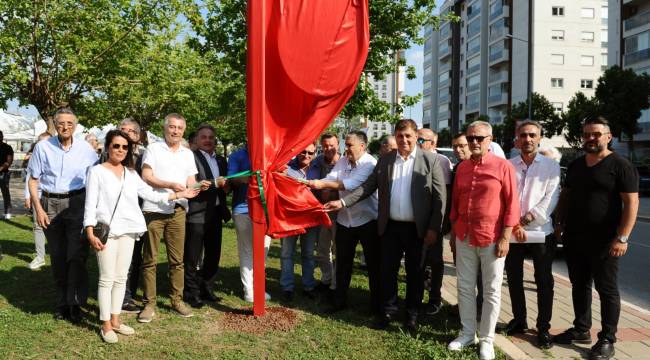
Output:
x=633 y=332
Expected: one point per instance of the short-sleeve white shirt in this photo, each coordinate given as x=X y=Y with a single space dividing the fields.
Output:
x=167 y=165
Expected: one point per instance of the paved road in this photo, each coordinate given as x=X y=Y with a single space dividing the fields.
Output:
x=634 y=267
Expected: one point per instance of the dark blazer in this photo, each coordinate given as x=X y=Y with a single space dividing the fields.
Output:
x=427 y=191
x=200 y=211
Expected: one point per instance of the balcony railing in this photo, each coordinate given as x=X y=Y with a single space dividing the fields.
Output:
x=444 y=52
x=499 y=56
x=473 y=50
x=471 y=88
x=474 y=69
x=471 y=107
x=442 y=67
x=443 y=115
x=500 y=76
x=443 y=83
x=637 y=20
x=497 y=32
x=443 y=98
x=500 y=11
x=497 y=99
x=637 y=56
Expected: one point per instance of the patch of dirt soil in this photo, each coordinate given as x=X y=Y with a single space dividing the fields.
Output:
x=275 y=319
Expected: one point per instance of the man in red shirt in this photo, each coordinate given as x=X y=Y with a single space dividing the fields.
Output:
x=484 y=209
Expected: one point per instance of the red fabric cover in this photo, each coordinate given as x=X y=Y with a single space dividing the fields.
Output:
x=299 y=78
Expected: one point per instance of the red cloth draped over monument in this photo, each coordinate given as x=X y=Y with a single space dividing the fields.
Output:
x=304 y=61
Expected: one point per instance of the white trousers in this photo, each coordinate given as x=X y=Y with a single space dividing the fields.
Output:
x=113 y=262
x=244 y=229
x=468 y=261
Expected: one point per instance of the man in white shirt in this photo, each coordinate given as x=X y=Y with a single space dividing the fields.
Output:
x=167 y=167
x=357 y=223
x=538 y=180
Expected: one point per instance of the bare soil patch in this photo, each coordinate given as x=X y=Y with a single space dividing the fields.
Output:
x=276 y=319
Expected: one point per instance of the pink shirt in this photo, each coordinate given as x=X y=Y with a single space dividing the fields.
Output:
x=484 y=199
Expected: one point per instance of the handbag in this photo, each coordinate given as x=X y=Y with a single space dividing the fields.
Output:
x=101 y=230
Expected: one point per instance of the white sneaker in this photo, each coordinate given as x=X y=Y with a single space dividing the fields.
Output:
x=486 y=350
x=7 y=216
x=110 y=337
x=36 y=263
x=124 y=330
x=462 y=341
x=249 y=297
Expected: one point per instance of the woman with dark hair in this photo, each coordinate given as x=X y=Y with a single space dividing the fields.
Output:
x=112 y=191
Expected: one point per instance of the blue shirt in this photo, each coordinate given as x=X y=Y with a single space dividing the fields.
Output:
x=59 y=170
x=313 y=172
x=237 y=162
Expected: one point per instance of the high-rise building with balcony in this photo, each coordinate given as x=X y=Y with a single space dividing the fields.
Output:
x=479 y=65
x=629 y=47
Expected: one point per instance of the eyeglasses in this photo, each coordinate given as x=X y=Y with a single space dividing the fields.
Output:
x=117 y=146
x=423 y=140
x=479 y=139
x=527 y=135
x=595 y=134
x=305 y=153
x=457 y=146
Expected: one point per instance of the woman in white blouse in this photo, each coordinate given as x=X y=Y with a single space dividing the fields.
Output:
x=103 y=186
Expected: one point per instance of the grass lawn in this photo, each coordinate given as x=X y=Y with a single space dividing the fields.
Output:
x=27 y=329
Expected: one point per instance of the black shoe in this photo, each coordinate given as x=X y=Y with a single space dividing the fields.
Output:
x=411 y=324
x=603 y=350
x=61 y=314
x=572 y=336
x=322 y=287
x=309 y=294
x=432 y=308
x=513 y=327
x=131 y=308
x=195 y=303
x=382 y=321
x=544 y=340
x=75 y=314
x=287 y=296
x=209 y=296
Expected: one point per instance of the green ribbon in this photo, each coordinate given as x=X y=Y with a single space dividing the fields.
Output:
x=259 y=187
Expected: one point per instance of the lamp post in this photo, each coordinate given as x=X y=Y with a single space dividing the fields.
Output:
x=530 y=73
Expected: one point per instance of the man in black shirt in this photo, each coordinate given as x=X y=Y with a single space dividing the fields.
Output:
x=599 y=206
x=6 y=158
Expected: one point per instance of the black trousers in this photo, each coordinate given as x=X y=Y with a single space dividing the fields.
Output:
x=542 y=255
x=598 y=267
x=199 y=238
x=68 y=252
x=4 y=188
x=401 y=238
x=437 y=269
x=135 y=270
x=346 y=244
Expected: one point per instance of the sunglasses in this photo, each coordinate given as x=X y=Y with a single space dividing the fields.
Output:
x=457 y=146
x=117 y=146
x=423 y=140
x=479 y=139
x=305 y=152
x=595 y=134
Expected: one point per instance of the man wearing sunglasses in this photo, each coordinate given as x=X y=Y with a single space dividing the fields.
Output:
x=538 y=181
x=484 y=209
x=299 y=168
x=597 y=212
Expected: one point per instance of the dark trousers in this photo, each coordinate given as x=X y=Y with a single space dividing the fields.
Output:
x=600 y=268
x=4 y=188
x=437 y=269
x=542 y=255
x=68 y=252
x=207 y=238
x=401 y=238
x=346 y=244
x=135 y=270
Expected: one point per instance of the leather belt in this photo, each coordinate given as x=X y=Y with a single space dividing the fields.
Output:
x=65 y=195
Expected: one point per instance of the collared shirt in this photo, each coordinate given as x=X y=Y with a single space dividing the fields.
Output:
x=168 y=165
x=238 y=162
x=539 y=190
x=446 y=166
x=484 y=199
x=401 y=206
x=58 y=170
x=214 y=166
x=323 y=168
x=352 y=177
x=295 y=172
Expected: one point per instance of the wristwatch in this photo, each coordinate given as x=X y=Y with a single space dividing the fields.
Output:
x=622 y=238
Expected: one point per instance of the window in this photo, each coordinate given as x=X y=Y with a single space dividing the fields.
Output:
x=587 y=13
x=586 y=84
x=557 y=59
x=558 y=106
x=557 y=34
x=558 y=11
x=587 y=36
x=603 y=61
x=557 y=83
x=603 y=38
x=586 y=60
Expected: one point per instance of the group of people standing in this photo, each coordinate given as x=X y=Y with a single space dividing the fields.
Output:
x=398 y=207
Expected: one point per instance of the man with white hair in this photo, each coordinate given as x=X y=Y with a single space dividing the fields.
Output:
x=484 y=210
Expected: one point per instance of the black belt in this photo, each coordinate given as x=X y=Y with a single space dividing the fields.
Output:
x=63 y=195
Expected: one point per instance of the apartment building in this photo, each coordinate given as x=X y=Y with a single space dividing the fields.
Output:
x=480 y=65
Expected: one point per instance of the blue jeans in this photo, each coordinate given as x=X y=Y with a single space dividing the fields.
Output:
x=307 y=243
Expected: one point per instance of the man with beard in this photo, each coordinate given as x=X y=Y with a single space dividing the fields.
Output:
x=538 y=181
x=601 y=199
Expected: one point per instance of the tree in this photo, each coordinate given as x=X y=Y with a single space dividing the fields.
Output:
x=622 y=94
x=579 y=107
x=444 y=138
x=54 y=52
